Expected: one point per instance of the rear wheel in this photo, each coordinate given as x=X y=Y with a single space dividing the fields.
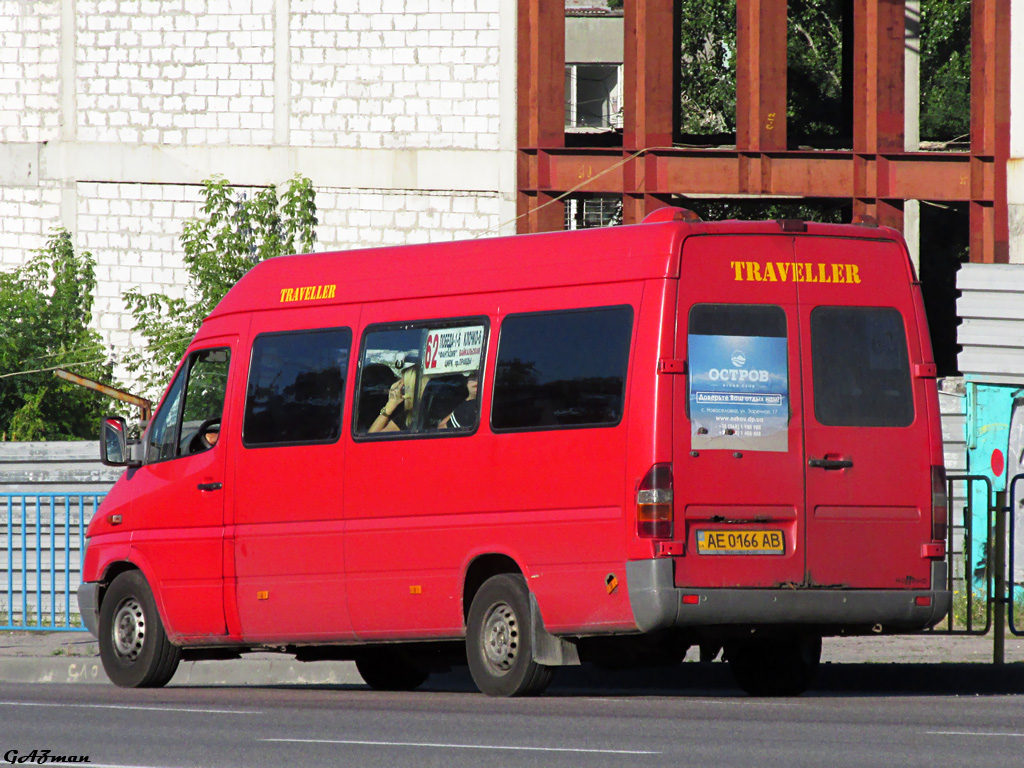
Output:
x=134 y=647
x=783 y=666
x=499 y=644
x=386 y=670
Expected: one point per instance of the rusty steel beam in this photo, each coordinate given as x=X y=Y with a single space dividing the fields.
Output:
x=990 y=130
x=761 y=75
x=878 y=85
x=877 y=175
x=878 y=75
x=650 y=96
x=648 y=73
x=927 y=176
x=145 y=406
x=540 y=108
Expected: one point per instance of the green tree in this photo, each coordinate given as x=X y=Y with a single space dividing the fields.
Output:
x=236 y=231
x=945 y=69
x=814 y=72
x=708 y=77
x=47 y=307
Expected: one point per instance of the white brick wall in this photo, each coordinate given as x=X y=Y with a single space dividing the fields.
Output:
x=395 y=75
x=26 y=216
x=29 y=70
x=175 y=71
x=366 y=218
x=112 y=113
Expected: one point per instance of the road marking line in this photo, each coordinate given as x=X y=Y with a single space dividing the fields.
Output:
x=357 y=742
x=974 y=733
x=134 y=707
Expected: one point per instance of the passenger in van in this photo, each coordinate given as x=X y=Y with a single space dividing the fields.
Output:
x=397 y=412
x=465 y=413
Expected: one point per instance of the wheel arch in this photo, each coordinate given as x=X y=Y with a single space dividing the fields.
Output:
x=113 y=570
x=480 y=569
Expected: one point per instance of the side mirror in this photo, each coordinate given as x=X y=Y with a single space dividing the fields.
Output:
x=114 y=443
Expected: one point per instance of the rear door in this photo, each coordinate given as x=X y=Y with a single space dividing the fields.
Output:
x=739 y=456
x=866 y=429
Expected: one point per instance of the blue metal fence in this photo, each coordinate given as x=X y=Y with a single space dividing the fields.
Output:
x=42 y=541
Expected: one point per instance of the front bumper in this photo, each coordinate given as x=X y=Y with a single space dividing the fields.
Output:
x=88 y=606
x=658 y=604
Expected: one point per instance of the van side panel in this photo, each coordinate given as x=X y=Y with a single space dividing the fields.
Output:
x=288 y=521
x=425 y=507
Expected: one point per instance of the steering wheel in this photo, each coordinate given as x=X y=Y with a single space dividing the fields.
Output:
x=201 y=441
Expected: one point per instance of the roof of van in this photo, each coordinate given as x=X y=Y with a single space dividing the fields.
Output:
x=580 y=257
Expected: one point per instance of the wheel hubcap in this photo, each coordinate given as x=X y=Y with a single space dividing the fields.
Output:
x=129 y=630
x=501 y=637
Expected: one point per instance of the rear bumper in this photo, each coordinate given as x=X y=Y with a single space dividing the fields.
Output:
x=658 y=604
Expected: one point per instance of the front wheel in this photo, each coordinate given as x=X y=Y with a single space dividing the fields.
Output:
x=134 y=647
x=784 y=666
x=499 y=645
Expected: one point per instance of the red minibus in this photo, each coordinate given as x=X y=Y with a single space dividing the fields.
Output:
x=601 y=446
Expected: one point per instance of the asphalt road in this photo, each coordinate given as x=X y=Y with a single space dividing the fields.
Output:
x=353 y=726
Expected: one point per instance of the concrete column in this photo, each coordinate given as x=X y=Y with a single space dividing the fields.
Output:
x=508 y=21
x=68 y=111
x=282 y=72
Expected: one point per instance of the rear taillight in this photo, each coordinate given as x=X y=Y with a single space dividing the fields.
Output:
x=940 y=510
x=654 y=503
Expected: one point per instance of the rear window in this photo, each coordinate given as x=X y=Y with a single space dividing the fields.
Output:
x=562 y=369
x=296 y=387
x=861 y=368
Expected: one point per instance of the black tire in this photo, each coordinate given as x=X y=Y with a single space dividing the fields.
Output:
x=387 y=670
x=133 y=644
x=777 y=666
x=499 y=640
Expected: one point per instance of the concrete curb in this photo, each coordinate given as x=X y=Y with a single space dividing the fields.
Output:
x=284 y=671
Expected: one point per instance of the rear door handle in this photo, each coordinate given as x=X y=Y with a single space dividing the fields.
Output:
x=830 y=463
x=210 y=486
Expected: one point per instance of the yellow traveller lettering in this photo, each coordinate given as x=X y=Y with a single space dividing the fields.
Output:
x=770 y=272
x=308 y=293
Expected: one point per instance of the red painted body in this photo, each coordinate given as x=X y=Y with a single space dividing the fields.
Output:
x=360 y=540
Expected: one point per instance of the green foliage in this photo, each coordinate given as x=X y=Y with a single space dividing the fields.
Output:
x=945 y=69
x=708 y=77
x=47 y=306
x=814 y=71
x=235 y=232
x=815 y=100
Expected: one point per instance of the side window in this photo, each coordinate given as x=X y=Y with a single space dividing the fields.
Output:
x=861 y=368
x=296 y=387
x=189 y=419
x=419 y=378
x=738 y=377
x=562 y=369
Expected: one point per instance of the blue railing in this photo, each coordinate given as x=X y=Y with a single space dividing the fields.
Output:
x=42 y=543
